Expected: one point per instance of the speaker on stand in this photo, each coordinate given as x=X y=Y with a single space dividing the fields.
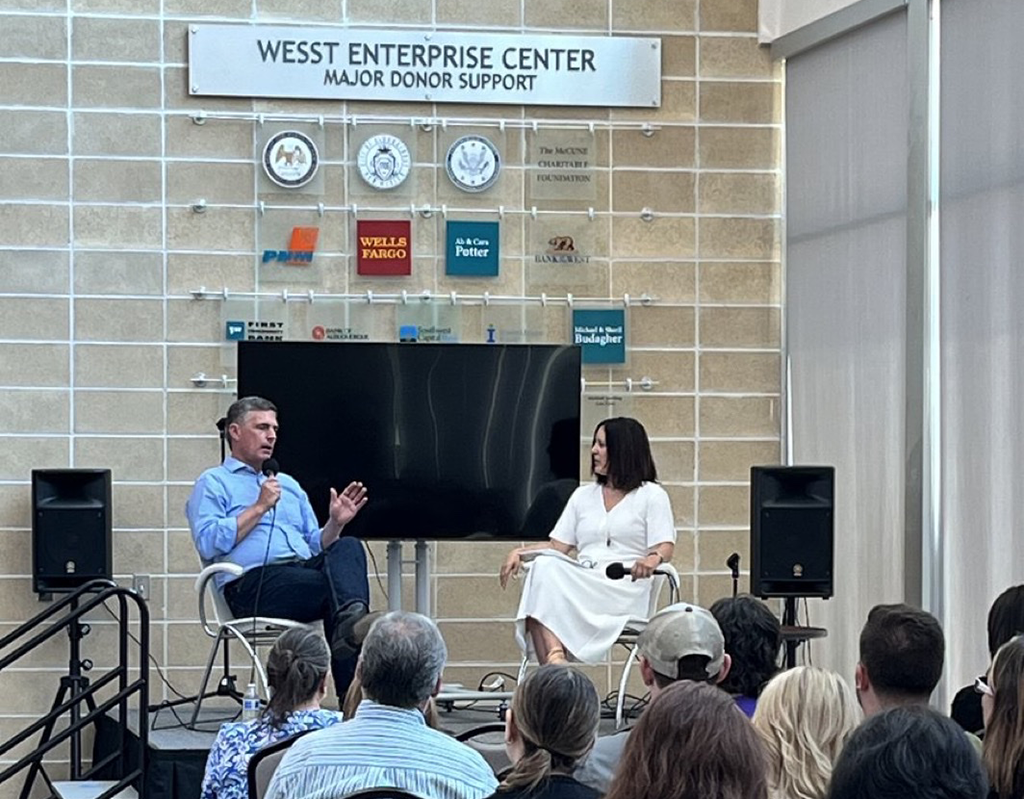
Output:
x=792 y=535
x=72 y=529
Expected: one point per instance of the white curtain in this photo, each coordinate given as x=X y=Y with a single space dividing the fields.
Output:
x=846 y=156
x=778 y=17
x=982 y=322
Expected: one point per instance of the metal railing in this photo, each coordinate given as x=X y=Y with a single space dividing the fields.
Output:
x=76 y=696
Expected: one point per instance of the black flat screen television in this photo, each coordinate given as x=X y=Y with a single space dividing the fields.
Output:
x=453 y=441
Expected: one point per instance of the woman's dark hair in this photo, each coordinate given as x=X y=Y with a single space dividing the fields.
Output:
x=296 y=667
x=556 y=712
x=629 y=454
x=1005 y=618
x=693 y=742
x=1004 y=734
x=908 y=752
x=753 y=637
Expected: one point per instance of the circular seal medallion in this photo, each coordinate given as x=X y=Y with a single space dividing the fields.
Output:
x=290 y=159
x=473 y=163
x=384 y=161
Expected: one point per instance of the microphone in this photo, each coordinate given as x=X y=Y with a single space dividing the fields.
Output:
x=271 y=467
x=733 y=562
x=616 y=571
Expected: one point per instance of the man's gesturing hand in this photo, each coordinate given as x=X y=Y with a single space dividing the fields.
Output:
x=348 y=503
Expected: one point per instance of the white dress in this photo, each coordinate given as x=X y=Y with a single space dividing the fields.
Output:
x=575 y=599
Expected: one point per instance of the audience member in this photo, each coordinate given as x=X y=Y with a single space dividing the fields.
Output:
x=297 y=668
x=753 y=637
x=1005 y=620
x=804 y=717
x=551 y=725
x=908 y=752
x=901 y=654
x=692 y=743
x=354 y=695
x=388 y=742
x=1002 y=702
x=682 y=642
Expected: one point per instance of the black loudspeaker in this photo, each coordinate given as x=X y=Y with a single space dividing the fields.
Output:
x=71 y=528
x=791 y=531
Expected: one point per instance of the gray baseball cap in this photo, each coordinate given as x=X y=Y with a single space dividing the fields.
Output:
x=678 y=631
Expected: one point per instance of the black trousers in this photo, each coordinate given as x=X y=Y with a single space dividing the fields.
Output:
x=308 y=590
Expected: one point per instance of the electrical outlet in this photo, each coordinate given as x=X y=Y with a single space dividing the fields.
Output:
x=140 y=584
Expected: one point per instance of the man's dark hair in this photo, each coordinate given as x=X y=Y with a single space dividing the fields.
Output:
x=630 y=462
x=908 y=752
x=1005 y=618
x=239 y=409
x=753 y=637
x=902 y=649
x=691 y=667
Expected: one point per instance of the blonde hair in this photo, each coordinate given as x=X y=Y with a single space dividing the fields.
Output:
x=804 y=716
x=1004 y=734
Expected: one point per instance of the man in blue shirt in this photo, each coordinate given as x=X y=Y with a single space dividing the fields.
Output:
x=387 y=742
x=263 y=522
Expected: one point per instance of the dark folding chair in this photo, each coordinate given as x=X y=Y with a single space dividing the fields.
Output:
x=264 y=763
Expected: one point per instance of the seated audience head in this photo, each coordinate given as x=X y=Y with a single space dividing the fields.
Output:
x=901 y=654
x=692 y=743
x=354 y=695
x=551 y=726
x=753 y=637
x=621 y=454
x=1005 y=618
x=297 y=669
x=1003 y=710
x=682 y=642
x=908 y=752
x=804 y=716
x=402 y=660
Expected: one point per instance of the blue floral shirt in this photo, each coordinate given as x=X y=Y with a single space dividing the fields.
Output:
x=237 y=741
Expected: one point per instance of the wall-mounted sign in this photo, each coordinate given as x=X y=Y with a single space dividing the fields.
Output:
x=561 y=249
x=326 y=63
x=473 y=163
x=562 y=165
x=601 y=334
x=300 y=250
x=471 y=248
x=384 y=161
x=290 y=159
x=384 y=247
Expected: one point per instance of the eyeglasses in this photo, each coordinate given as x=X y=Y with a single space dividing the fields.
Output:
x=981 y=686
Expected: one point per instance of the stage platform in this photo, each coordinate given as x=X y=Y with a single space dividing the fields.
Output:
x=177 y=756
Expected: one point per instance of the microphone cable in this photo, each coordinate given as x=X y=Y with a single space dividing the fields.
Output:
x=269 y=470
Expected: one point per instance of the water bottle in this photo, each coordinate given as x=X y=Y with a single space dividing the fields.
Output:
x=250 y=703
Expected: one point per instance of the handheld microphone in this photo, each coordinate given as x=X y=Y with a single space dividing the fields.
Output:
x=271 y=467
x=616 y=571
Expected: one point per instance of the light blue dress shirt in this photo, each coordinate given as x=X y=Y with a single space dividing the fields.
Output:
x=381 y=746
x=222 y=493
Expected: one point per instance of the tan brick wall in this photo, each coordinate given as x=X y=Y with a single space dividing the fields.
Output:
x=99 y=335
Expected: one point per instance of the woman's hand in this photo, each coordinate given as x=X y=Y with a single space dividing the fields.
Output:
x=510 y=568
x=644 y=568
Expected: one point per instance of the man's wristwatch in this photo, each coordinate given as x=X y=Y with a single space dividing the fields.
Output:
x=660 y=558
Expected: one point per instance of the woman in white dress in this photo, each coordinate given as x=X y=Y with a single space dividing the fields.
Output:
x=569 y=607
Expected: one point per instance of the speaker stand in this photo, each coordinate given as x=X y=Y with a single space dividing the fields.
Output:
x=72 y=686
x=793 y=634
